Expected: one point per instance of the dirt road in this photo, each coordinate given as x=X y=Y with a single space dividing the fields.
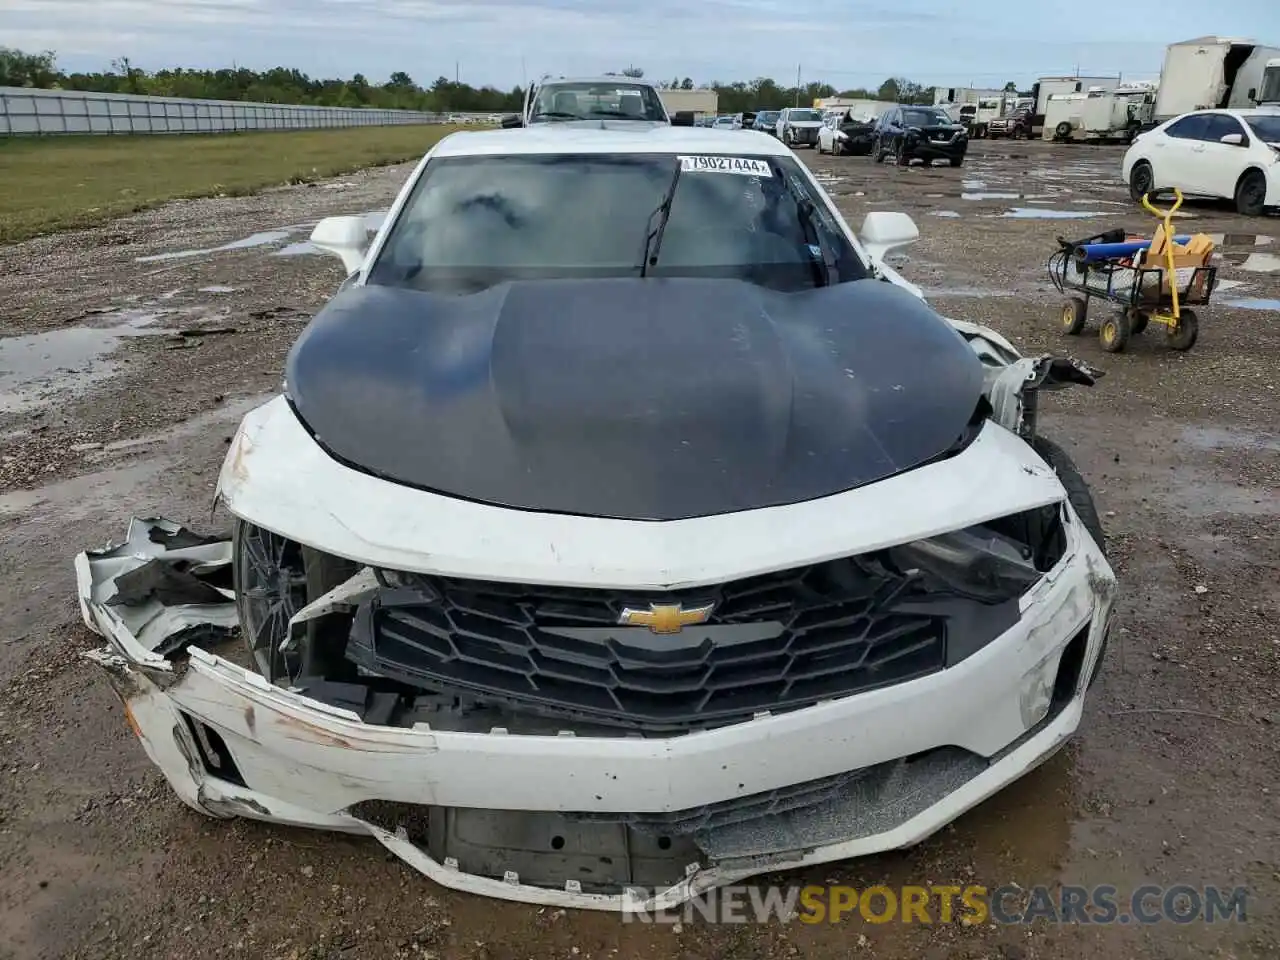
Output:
x=128 y=353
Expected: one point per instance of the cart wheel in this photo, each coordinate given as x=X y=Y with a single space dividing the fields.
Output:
x=1138 y=320
x=1114 y=332
x=1075 y=311
x=1184 y=335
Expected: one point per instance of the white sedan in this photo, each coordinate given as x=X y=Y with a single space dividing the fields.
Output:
x=594 y=543
x=1231 y=154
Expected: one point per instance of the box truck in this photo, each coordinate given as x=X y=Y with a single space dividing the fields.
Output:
x=1217 y=72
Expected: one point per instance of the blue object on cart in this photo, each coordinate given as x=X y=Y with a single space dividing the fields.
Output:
x=1093 y=252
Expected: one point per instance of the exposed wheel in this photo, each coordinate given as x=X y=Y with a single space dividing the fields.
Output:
x=1062 y=131
x=877 y=150
x=1078 y=493
x=1185 y=334
x=1251 y=193
x=274 y=578
x=900 y=154
x=1075 y=311
x=1141 y=181
x=1114 y=332
x=1138 y=320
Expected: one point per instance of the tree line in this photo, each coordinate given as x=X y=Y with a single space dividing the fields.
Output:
x=399 y=92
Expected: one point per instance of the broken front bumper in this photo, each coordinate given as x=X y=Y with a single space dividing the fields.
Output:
x=504 y=814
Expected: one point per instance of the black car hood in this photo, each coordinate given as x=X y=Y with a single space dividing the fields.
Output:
x=642 y=399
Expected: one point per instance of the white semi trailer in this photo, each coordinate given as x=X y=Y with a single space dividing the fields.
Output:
x=1217 y=72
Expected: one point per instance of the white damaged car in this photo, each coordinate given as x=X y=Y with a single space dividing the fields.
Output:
x=625 y=527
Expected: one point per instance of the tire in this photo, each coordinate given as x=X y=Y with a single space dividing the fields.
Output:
x=1062 y=131
x=1184 y=336
x=1075 y=312
x=1078 y=493
x=877 y=150
x=1138 y=320
x=956 y=161
x=1251 y=193
x=1141 y=181
x=265 y=602
x=900 y=155
x=1114 y=332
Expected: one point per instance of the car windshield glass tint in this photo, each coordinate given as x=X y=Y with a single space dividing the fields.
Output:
x=805 y=115
x=924 y=118
x=1267 y=128
x=472 y=222
x=589 y=101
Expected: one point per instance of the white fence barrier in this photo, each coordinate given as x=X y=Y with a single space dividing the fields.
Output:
x=27 y=111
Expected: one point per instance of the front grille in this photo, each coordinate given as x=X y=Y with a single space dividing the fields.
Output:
x=803 y=635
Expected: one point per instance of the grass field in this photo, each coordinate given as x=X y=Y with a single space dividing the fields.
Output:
x=55 y=183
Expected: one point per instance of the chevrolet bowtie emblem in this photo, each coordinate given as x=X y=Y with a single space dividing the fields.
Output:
x=666 y=617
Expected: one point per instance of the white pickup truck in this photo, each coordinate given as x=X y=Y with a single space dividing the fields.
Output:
x=599 y=101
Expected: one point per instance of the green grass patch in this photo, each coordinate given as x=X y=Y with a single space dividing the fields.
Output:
x=58 y=183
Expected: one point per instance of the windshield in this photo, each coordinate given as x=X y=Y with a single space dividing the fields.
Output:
x=1267 y=128
x=769 y=116
x=724 y=120
x=589 y=101
x=924 y=118
x=1270 y=92
x=472 y=222
x=805 y=115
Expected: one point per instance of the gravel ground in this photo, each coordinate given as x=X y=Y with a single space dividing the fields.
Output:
x=122 y=379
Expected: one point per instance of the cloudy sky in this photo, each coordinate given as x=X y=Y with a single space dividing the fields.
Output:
x=502 y=42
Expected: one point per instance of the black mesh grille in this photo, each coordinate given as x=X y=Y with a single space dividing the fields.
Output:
x=809 y=634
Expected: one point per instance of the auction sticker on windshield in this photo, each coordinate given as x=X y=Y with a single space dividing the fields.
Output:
x=745 y=166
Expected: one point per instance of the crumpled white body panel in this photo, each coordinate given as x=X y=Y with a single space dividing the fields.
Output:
x=307 y=763
x=277 y=477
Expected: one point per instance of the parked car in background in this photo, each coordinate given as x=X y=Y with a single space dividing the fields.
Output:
x=842 y=133
x=725 y=122
x=766 y=121
x=744 y=120
x=799 y=126
x=608 y=100
x=1230 y=154
x=1016 y=126
x=908 y=133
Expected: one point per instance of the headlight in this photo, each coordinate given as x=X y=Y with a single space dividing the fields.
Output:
x=991 y=562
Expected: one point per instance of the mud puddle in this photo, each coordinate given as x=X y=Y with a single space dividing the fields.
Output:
x=1220 y=438
x=1044 y=213
x=1242 y=251
x=266 y=238
x=1254 y=303
x=75 y=357
x=966 y=292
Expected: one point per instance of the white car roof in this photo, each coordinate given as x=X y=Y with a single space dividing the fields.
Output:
x=565 y=138
x=622 y=81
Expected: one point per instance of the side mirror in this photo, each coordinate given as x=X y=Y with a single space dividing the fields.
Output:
x=1234 y=139
x=346 y=237
x=1253 y=94
x=512 y=120
x=883 y=231
x=682 y=118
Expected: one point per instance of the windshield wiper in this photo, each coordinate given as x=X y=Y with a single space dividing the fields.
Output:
x=824 y=270
x=653 y=234
x=556 y=115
